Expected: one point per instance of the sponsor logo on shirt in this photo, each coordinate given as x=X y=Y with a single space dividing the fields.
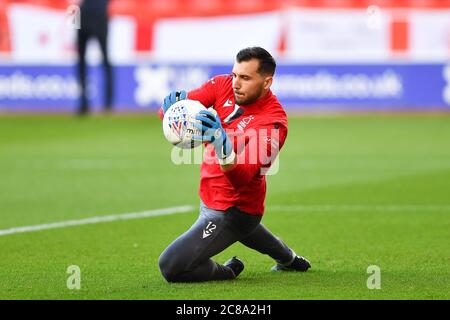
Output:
x=244 y=122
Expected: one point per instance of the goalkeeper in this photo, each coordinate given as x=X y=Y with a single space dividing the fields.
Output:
x=232 y=186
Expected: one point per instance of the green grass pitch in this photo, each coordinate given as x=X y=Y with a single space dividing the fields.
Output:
x=352 y=191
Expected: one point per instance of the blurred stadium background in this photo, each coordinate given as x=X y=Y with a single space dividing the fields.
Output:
x=364 y=175
x=333 y=55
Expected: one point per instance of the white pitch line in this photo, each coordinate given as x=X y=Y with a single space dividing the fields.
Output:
x=185 y=209
x=98 y=219
x=359 y=207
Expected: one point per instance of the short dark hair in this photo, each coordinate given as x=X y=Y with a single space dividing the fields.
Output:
x=267 y=63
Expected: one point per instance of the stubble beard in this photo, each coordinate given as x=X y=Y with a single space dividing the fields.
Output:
x=251 y=99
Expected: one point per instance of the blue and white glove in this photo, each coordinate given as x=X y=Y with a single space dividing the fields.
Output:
x=213 y=132
x=173 y=97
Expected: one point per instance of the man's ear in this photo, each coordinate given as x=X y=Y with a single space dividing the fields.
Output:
x=268 y=82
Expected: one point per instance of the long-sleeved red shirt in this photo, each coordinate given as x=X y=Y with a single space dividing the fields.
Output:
x=258 y=132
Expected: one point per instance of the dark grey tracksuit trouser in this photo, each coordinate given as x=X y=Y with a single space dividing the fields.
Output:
x=188 y=258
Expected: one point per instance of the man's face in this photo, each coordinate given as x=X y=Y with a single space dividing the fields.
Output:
x=248 y=84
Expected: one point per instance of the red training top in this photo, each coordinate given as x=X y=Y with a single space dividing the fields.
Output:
x=258 y=132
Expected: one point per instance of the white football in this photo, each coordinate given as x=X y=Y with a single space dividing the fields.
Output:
x=178 y=123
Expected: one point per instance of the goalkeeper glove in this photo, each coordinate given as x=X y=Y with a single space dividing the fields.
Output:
x=173 y=97
x=213 y=132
